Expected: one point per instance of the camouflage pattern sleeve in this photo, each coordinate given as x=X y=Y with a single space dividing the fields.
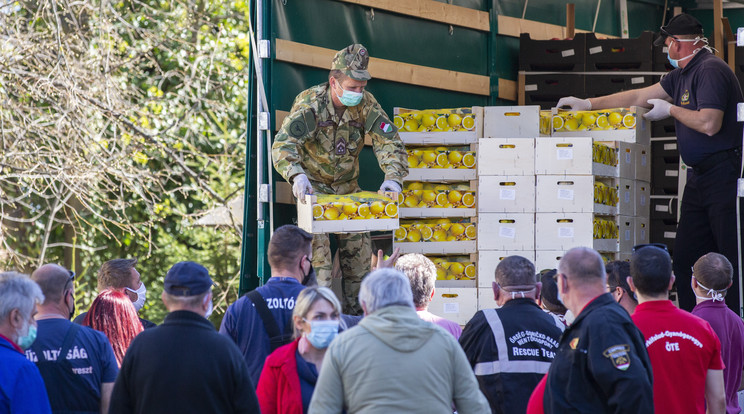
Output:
x=386 y=144
x=286 y=150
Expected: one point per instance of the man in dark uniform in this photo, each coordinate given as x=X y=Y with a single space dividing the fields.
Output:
x=601 y=365
x=510 y=348
x=701 y=95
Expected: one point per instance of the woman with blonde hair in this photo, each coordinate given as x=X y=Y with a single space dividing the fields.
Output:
x=289 y=374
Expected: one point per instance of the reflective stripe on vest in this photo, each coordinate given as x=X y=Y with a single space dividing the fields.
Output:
x=503 y=365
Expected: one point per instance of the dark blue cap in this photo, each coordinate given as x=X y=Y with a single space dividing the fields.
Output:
x=187 y=279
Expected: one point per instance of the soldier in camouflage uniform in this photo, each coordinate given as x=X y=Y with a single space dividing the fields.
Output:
x=317 y=151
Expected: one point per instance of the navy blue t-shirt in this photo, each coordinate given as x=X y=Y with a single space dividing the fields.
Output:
x=243 y=324
x=706 y=82
x=90 y=356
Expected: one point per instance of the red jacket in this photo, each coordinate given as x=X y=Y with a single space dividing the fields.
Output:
x=279 y=385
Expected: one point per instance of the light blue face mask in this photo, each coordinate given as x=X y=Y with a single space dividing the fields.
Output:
x=349 y=98
x=322 y=333
x=675 y=62
x=25 y=341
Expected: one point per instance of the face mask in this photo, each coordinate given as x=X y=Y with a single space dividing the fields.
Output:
x=25 y=341
x=309 y=279
x=714 y=295
x=141 y=293
x=675 y=62
x=210 y=308
x=569 y=317
x=322 y=333
x=349 y=98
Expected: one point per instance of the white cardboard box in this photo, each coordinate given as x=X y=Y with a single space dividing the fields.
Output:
x=456 y=304
x=506 y=156
x=626 y=227
x=641 y=134
x=306 y=221
x=442 y=137
x=506 y=231
x=642 y=231
x=511 y=121
x=643 y=163
x=563 y=231
x=506 y=193
x=486 y=299
x=642 y=199
x=548 y=259
x=489 y=259
x=569 y=194
x=626 y=190
x=568 y=155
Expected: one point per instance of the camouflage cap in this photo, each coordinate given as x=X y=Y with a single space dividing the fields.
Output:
x=352 y=61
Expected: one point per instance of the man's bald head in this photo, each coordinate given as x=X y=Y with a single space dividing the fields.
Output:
x=53 y=280
x=583 y=265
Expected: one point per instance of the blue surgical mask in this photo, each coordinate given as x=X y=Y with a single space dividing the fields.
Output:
x=322 y=333
x=25 y=341
x=675 y=62
x=349 y=98
x=141 y=295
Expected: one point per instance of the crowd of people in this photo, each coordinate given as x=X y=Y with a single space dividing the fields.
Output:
x=586 y=337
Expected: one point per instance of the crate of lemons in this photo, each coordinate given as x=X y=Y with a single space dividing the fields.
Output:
x=364 y=205
x=605 y=194
x=441 y=157
x=454 y=267
x=418 y=194
x=605 y=228
x=435 y=230
x=600 y=120
x=435 y=120
x=604 y=154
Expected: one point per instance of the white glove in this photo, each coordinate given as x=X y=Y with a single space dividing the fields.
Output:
x=659 y=111
x=390 y=185
x=301 y=186
x=576 y=104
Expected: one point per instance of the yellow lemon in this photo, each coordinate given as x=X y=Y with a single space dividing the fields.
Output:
x=442 y=160
x=454 y=120
x=572 y=124
x=629 y=121
x=400 y=233
x=331 y=213
x=417 y=116
x=411 y=201
x=411 y=125
x=428 y=119
x=602 y=122
x=456 y=268
x=558 y=122
x=398 y=121
x=451 y=238
x=457 y=229
x=442 y=221
x=470 y=271
x=416 y=185
x=454 y=196
x=391 y=210
x=422 y=129
x=401 y=198
x=439 y=235
x=615 y=118
x=317 y=211
x=468 y=122
x=454 y=157
x=414 y=235
x=428 y=196
x=363 y=210
x=470 y=232
x=377 y=207
x=422 y=204
x=342 y=216
x=441 y=149
x=441 y=123
x=350 y=208
x=442 y=199
x=428 y=157
x=417 y=152
x=426 y=232
x=468 y=160
x=441 y=274
x=589 y=118
x=468 y=199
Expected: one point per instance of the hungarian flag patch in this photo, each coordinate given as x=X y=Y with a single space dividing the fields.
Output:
x=385 y=127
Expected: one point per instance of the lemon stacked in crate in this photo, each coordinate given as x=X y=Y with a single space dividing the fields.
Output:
x=506 y=197
x=439 y=199
x=592 y=182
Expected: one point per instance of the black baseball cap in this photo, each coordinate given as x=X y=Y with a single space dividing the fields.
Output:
x=681 y=24
x=187 y=279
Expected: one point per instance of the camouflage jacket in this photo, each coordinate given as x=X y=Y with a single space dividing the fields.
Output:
x=315 y=142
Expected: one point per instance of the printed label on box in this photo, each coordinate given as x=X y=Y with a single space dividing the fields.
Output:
x=627 y=196
x=564 y=154
x=670 y=234
x=452 y=307
x=567 y=53
x=594 y=50
x=671 y=173
x=643 y=200
x=566 y=232
x=507 y=232
x=628 y=160
x=639 y=79
x=564 y=194
x=670 y=147
x=508 y=194
x=643 y=160
x=662 y=208
x=530 y=88
x=627 y=235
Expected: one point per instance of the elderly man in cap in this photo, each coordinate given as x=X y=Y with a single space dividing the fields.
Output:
x=317 y=151
x=184 y=365
x=701 y=94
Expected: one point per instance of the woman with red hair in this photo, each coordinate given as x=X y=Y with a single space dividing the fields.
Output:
x=113 y=314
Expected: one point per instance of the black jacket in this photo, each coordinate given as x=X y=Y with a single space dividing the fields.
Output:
x=183 y=366
x=510 y=350
x=602 y=365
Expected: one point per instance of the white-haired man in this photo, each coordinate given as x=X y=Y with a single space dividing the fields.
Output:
x=394 y=362
x=21 y=387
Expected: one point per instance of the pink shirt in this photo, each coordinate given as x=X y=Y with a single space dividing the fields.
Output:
x=449 y=326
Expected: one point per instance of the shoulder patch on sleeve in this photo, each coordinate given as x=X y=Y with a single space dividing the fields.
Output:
x=619 y=355
x=379 y=124
x=303 y=124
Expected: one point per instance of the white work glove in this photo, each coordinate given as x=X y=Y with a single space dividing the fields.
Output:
x=659 y=111
x=301 y=186
x=575 y=103
x=390 y=185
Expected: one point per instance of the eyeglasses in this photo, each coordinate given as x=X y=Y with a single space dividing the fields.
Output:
x=667 y=34
x=661 y=246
